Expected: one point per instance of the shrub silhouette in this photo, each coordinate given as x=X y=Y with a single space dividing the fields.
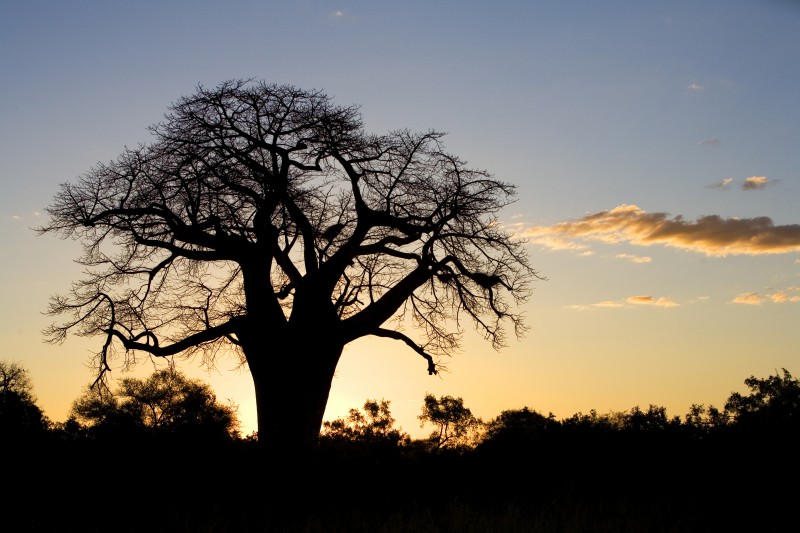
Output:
x=20 y=418
x=166 y=405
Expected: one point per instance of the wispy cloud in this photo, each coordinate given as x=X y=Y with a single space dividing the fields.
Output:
x=710 y=141
x=710 y=235
x=752 y=183
x=336 y=14
x=748 y=298
x=790 y=295
x=608 y=304
x=755 y=182
x=635 y=258
x=695 y=87
x=650 y=300
x=629 y=302
x=723 y=185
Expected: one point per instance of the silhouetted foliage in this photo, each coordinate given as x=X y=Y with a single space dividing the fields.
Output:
x=264 y=220
x=652 y=424
x=455 y=426
x=373 y=425
x=773 y=402
x=702 y=421
x=365 y=436
x=634 y=470
x=166 y=404
x=513 y=429
x=20 y=417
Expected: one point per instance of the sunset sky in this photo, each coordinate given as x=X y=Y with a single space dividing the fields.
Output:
x=655 y=147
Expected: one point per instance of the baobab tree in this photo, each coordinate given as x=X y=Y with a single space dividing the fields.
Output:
x=263 y=220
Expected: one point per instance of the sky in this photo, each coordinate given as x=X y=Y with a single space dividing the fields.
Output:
x=655 y=147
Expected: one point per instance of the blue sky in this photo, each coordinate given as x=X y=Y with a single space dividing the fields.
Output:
x=647 y=140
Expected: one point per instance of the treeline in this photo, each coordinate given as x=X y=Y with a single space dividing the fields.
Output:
x=167 y=442
x=168 y=405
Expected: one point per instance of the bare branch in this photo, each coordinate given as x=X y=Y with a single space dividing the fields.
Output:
x=392 y=334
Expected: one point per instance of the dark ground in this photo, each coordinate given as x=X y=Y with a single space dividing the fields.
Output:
x=616 y=487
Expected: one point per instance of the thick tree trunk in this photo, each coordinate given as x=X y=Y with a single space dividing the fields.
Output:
x=292 y=378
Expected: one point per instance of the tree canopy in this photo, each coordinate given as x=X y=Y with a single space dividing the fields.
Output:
x=20 y=417
x=264 y=221
x=453 y=422
x=167 y=403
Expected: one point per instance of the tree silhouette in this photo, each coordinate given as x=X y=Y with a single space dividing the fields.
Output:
x=518 y=428
x=454 y=424
x=166 y=404
x=771 y=407
x=20 y=417
x=263 y=220
x=373 y=422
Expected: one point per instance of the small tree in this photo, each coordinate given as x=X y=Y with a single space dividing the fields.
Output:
x=20 y=417
x=702 y=421
x=654 y=421
x=519 y=428
x=773 y=405
x=165 y=404
x=372 y=426
x=454 y=424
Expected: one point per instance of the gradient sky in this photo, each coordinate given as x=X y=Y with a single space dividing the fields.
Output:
x=655 y=146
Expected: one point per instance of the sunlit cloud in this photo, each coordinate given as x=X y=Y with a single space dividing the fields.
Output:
x=695 y=87
x=748 y=298
x=607 y=304
x=25 y=216
x=755 y=182
x=635 y=258
x=710 y=235
x=650 y=300
x=336 y=14
x=630 y=302
x=790 y=295
x=711 y=141
x=723 y=185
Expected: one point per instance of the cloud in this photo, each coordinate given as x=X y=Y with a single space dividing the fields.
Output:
x=755 y=182
x=711 y=141
x=790 y=295
x=554 y=242
x=723 y=185
x=635 y=258
x=785 y=296
x=710 y=235
x=695 y=87
x=607 y=304
x=749 y=184
x=748 y=298
x=650 y=300
x=631 y=301
x=336 y=14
